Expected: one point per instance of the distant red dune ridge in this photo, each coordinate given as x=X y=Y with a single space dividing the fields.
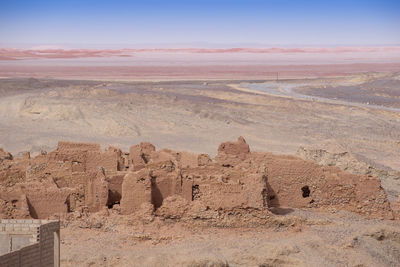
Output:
x=21 y=54
x=196 y=63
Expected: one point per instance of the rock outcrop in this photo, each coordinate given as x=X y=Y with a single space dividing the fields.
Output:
x=345 y=161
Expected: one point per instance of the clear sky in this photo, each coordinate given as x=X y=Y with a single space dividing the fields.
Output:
x=120 y=23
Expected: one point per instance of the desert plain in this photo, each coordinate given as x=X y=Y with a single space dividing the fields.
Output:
x=345 y=117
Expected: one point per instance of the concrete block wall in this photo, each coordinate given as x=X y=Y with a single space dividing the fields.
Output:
x=47 y=243
x=10 y=259
x=36 y=243
x=30 y=256
x=15 y=234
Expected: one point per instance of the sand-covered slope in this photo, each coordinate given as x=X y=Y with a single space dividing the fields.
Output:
x=190 y=115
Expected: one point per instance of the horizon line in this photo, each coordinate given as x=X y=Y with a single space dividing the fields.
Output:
x=54 y=52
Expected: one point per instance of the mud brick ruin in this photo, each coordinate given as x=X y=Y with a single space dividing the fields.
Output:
x=179 y=185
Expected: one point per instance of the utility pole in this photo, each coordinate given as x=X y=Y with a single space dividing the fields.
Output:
x=277 y=76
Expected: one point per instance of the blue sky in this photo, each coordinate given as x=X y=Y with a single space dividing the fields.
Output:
x=118 y=23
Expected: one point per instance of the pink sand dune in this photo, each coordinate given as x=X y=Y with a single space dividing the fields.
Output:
x=20 y=54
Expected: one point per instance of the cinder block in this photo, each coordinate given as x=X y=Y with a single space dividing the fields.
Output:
x=41 y=252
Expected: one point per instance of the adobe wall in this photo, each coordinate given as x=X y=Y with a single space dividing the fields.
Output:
x=297 y=183
x=96 y=192
x=195 y=178
x=115 y=188
x=65 y=145
x=58 y=182
x=225 y=188
x=45 y=200
x=136 y=190
x=29 y=243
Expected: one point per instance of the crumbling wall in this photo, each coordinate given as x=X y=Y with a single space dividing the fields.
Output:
x=62 y=180
x=170 y=173
x=232 y=153
x=139 y=155
x=136 y=190
x=46 y=199
x=296 y=183
x=13 y=204
x=81 y=176
x=115 y=188
x=12 y=171
x=96 y=193
x=226 y=188
x=67 y=146
x=109 y=160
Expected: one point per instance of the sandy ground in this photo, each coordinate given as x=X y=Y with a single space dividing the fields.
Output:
x=300 y=238
x=196 y=116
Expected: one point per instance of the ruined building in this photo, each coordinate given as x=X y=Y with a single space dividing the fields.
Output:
x=79 y=176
